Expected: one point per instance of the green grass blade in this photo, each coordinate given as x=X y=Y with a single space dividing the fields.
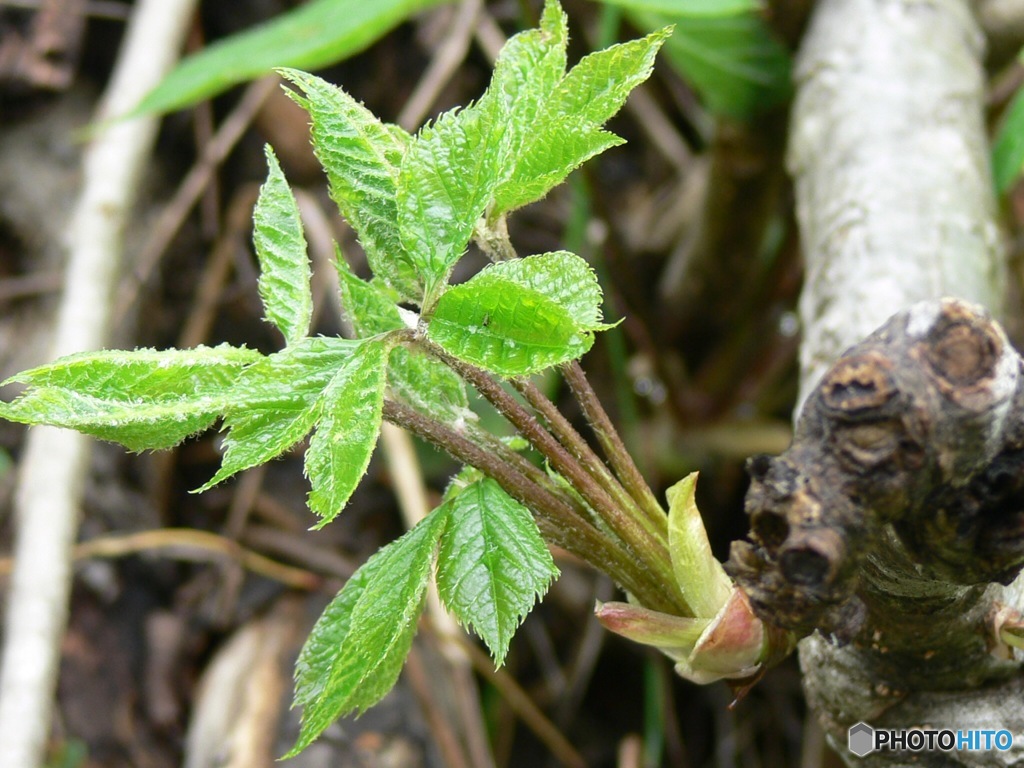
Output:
x=312 y=36
x=734 y=62
x=689 y=8
x=1008 y=149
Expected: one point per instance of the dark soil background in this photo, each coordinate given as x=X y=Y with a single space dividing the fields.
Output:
x=176 y=654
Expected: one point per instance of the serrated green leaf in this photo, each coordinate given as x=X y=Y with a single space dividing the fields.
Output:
x=281 y=248
x=1008 y=149
x=563 y=277
x=326 y=639
x=311 y=36
x=275 y=402
x=597 y=87
x=526 y=73
x=505 y=327
x=521 y=315
x=356 y=650
x=734 y=62
x=144 y=399
x=429 y=386
x=684 y=8
x=414 y=378
x=566 y=131
x=459 y=482
x=361 y=156
x=370 y=307
x=492 y=564
x=563 y=147
x=531 y=64
x=340 y=449
x=703 y=582
x=447 y=179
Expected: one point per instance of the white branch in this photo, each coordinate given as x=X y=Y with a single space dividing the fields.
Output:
x=55 y=461
x=890 y=158
x=896 y=205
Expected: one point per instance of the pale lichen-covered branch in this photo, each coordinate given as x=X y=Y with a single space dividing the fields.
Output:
x=890 y=159
x=888 y=524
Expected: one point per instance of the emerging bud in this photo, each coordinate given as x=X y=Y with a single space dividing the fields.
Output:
x=730 y=646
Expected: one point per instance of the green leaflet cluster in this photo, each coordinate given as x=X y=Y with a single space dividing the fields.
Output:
x=415 y=203
x=491 y=566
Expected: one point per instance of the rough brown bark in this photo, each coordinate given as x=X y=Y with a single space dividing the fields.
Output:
x=889 y=528
x=903 y=481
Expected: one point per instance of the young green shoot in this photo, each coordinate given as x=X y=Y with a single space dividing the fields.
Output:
x=416 y=203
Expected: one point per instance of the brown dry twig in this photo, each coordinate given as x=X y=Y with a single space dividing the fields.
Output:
x=917 y=432
x=447 y=58
x=191 y=189
x=523 y=706
x=188 y=544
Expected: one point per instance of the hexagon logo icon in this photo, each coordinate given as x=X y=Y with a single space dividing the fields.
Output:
x=860 y=739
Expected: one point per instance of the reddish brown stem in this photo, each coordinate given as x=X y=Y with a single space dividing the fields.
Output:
x=557 y=519
x=612 y=444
